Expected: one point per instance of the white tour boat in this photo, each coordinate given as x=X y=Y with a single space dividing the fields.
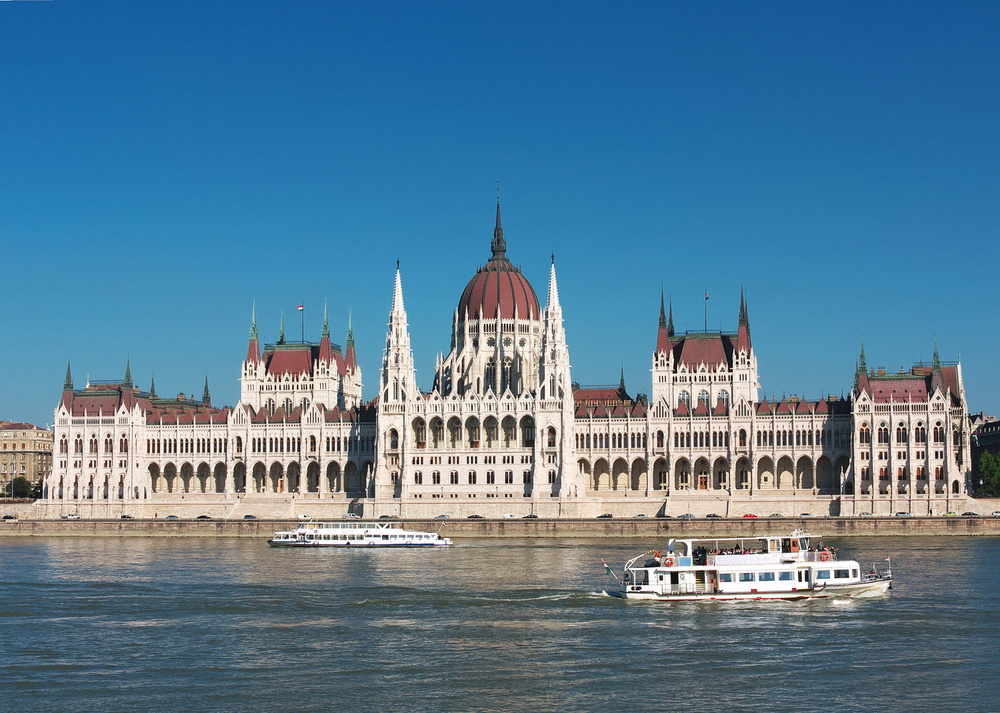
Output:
x=355 y=534
x=768 y=567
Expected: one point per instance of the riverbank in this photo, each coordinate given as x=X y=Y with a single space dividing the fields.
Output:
x=531 y=528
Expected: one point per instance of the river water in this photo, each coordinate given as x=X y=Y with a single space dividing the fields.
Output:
x=192 y=624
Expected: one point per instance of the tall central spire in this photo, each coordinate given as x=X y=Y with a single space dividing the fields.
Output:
x=499 y=245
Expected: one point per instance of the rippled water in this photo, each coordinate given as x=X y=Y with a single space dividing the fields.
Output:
x=129 y=624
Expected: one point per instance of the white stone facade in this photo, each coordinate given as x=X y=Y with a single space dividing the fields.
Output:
x=503 y=431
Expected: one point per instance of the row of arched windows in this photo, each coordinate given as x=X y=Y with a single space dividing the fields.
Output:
x=902 y=433
x=508 y=433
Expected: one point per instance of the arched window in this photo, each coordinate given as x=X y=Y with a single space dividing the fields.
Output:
x=901 y=433
x=393 y=439
x=883 y=433
x=659 y=439
x=703 y=398
x=683 y=398
x=864 y=434
x=551 y=437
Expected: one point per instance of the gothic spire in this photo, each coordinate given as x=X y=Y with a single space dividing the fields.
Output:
x=862 y=362
x=326 y=322
x=206 y=398
x=936 y=364
x=621 y=383
x=253 y=321
x=663 y=314
x=499 y=245
x=670 y=320
x=127 y=383
x=152 y=387
x=281 y=331
x=350 y=329
x=68 y=383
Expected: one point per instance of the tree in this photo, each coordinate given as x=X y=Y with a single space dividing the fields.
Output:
x=989 y=472
x=21 y=487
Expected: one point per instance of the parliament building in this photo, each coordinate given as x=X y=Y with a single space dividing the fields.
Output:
x=504 y=430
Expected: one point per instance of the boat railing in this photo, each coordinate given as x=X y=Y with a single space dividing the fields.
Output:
x=826 y=555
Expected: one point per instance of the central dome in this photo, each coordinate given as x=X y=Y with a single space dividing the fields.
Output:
x=498 y=289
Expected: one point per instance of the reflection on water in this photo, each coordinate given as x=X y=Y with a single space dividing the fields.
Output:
x=207 y=625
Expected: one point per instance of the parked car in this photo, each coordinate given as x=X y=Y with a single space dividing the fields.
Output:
x=951 y=514
x=203 y=517
x=387 y=517
x=440 y=517
x=605 y=516
x=970 y=514
x=686 y=516
x=10 y=517
x=171 y=517
x=996 y=513
x=775 y=514
x=713 y=516
x=475 y=517
x=749 y=514
x=865 y=514
x=250 y=517
x=664 y=516
x=351 y=516
x=805 y=514
x=640 y=516
x=530 y=516
x=903 y=514
x=71 y=516
x=127 y=517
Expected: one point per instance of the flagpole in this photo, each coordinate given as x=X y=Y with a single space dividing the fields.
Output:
x=302 y=313
x=706 y=309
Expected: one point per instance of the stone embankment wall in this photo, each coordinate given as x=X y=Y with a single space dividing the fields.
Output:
x=649 y=529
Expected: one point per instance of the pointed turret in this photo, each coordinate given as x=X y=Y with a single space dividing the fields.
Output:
x=398 y=375
x=281 y=329
x=553 y=364
x=665 y=330
x=350 y=356
x=206 y=397
x=325 y=347
x=152 y=387
x=743 y=342
x=499 y=245
x=937 y=379
x=862 y=362
x=127 y=382
x=67 y=395
x=253 y=347
x=621 y=382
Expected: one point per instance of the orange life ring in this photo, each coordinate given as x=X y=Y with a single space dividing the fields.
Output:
x=668 y=562
x=823 y=556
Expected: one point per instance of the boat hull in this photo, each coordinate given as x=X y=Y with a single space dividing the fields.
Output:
x=866 y=589
x=356 y=545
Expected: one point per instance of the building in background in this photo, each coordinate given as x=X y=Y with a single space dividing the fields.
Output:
x=25 y=451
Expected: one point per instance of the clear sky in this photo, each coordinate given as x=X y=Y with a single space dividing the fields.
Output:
x=164 y=165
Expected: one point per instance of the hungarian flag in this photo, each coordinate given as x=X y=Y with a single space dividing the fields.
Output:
x=300 y=308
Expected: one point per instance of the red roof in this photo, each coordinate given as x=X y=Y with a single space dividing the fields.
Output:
x=498 y=289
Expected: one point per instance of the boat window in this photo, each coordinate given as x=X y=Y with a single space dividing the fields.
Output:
x=766 y=577
x=746 y=576
x=841 y=573
x=786 y=576
x=854 y=573
x=726 y=577
x=823 y=574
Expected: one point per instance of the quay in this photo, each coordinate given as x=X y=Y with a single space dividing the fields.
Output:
x=531 y=528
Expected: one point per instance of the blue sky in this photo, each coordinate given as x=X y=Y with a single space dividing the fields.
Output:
x=165 y=165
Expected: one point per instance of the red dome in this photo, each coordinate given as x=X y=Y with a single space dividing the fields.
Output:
x=498 y=289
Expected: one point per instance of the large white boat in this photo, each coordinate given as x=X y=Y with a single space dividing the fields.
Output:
x=356 y=534
x=795 y=566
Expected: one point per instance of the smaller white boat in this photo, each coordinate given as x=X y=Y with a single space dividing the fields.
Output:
x=356 y=534
x=768 y=567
